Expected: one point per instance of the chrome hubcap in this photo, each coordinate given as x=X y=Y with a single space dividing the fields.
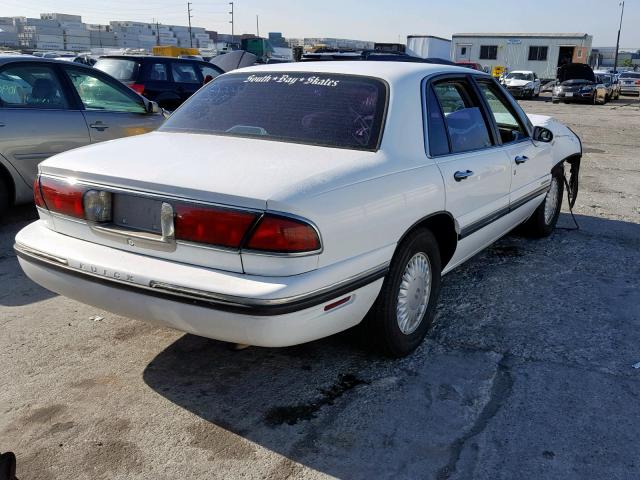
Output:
x=414 y=292
x=551 y=201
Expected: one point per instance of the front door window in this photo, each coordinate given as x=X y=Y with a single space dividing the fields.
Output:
x=511 y=130
x=97 y=94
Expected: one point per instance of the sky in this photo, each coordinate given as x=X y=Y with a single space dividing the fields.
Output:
x=373 y=20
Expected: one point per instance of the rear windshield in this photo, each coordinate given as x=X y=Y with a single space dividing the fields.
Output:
x=629 y=75
x=121 y=68
x=314 y=108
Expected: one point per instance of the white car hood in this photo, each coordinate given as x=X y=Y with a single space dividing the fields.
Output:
x=228 y=170
x=512 y=82
x=557 y=128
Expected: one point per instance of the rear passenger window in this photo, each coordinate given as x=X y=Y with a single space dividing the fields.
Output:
x=465 y=124
x=208 y=71
x=184 y=73
x=158 y=72
x=31 y=86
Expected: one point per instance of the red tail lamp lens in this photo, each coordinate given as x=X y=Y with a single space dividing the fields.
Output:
x=137 y=87
x=37 y=194
x=215 y=226
x=62 y=196
x=283 y=235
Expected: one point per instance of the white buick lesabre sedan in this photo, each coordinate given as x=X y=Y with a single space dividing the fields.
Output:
x=285 y=203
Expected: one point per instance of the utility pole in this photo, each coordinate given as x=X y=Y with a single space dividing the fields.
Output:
x=189 y=14
x=157 y=33
x=257 y=27
x=233 y=39
x=615 y=63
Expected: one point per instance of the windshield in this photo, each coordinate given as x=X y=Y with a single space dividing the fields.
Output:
x=123 y=69
x=315 y=108
x=520 y=76
x=629 y=75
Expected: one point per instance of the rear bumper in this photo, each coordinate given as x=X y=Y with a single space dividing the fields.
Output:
x=265 y=311
x=629 y=90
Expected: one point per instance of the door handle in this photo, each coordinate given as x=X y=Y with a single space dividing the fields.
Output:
x=521 y=159
x=99 y=126
x=459 y=175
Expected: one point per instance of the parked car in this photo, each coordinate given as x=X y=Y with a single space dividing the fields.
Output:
x=630 y=83
x=49 y=106
x=472 y=65
x=169 y=81
x=611 y=84
x=83 y=59
x=282 y=203
x=578 y=83
x=522 y=83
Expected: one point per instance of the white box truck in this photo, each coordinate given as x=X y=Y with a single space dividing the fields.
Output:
x=428 y=46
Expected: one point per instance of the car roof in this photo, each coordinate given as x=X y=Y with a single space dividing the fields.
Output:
x=6 y=59
x=388 y=71
x=150 y=57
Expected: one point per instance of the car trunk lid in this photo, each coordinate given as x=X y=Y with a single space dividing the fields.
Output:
x=144 y=172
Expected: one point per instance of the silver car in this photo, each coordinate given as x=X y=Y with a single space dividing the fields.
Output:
x=49 y=106
x=630 y=83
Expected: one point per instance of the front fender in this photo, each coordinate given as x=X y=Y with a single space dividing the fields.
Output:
x=565 y=141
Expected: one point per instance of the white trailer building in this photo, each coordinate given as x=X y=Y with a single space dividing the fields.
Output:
x=541 y=53
x=428 y=46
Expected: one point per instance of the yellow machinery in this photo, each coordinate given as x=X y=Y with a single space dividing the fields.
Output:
x=497 y=71
x=171 y=51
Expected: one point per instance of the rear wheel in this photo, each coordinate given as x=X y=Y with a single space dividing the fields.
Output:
x=402 y=314
x=545 y=217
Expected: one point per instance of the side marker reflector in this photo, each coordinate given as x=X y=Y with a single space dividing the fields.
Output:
x=337 y=303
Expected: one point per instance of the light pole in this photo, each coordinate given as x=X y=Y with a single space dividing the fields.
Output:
x=615 y=63
x=189 y=15
x=231 y=22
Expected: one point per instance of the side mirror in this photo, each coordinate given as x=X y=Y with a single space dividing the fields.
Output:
x=541 y=134
x=207 y=79
x=152 y=107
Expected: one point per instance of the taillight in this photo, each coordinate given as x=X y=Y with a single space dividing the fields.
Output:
x=215 y=226
x=37 y=194
x=637 y=82
x=137 y=87
x=62 y=196
x=283 y=235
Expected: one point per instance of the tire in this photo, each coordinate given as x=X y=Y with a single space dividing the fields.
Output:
x=545 y=217
x=5 y=200
x=397 y=333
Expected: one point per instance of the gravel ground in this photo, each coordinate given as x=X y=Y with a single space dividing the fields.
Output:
x=528 y=371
